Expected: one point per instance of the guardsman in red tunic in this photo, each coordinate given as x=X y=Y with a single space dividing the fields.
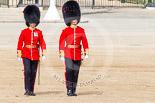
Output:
x=70 y=43
x=28 y=47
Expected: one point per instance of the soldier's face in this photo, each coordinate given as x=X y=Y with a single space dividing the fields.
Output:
x=32 y=25
x=74 y=22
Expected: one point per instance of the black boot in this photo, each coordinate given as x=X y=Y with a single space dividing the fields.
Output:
x=26 y=92
x=69 y=92
x=73 y=92
x=31 y=93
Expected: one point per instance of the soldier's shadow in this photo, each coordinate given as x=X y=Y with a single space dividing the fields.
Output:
x=91 y=93
x=49 y=92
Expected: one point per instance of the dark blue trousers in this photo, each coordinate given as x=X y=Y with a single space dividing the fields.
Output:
x=72 y=72
x=30 y=69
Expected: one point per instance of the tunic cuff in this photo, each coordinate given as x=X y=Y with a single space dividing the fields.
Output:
x=44 y=52
x=62 y=54
x=19 y=54
x=86 y=51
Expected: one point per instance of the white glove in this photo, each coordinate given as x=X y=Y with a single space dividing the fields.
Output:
x=43 y=57
x=19 y=59
x=62 y=59
x=86 y=57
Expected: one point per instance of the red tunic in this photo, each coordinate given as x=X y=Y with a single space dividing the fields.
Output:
x=73 y=36
x=31 y=37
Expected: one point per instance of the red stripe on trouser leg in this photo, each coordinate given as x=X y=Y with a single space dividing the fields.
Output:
x=36 y=74
x=65 y=75
x=65 y=79
x=24 y=72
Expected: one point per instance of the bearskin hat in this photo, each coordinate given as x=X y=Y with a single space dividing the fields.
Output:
x=32 y=14
x=71 y=11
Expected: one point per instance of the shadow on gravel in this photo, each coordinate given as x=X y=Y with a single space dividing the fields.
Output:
x=90 y=93
x=49 y=92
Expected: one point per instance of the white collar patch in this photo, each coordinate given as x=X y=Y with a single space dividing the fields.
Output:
x=35 y=34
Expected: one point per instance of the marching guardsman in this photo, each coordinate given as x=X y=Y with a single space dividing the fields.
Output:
x=70 y=45
x=29 y=42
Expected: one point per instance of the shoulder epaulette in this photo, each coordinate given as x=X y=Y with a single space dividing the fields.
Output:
x=65 y=27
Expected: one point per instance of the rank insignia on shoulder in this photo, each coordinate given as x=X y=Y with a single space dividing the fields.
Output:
x=35 y=34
